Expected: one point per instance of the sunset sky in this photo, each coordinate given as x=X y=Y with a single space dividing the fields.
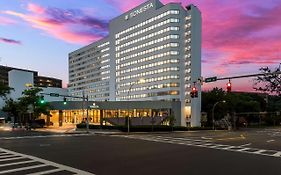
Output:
x=239 y=36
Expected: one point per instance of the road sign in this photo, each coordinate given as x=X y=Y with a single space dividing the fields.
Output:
x=54 y=95
x=210 y=79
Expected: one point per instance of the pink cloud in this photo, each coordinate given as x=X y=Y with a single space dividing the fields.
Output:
x=6 y=21
x=246 y=32
x=36 y=9
x=67 y=25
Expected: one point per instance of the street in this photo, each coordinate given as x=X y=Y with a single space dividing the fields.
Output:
x=255 y=151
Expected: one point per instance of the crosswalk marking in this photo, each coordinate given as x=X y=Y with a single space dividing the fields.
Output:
x=45 y=172
x=23 y=168
x=7 y=156
x=14 y=158
x=4 y=154
x=205 y=144
x=31 y=163
x=17 y=163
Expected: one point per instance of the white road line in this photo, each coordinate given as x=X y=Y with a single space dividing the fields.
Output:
x=246 y=144
x=4 y=154
x=14 y=158
x=7 y=156
x=46 y=172
x=21 y=169
x=46 y=162
x=268 y=141
x=278 y=154
x=206 y=144
x=17 y=163
x=259 y=151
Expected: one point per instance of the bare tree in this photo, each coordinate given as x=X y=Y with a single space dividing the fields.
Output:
x=270 y=82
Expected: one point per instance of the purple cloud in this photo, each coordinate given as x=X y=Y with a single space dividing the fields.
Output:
x=72 y=25
x=9 y=41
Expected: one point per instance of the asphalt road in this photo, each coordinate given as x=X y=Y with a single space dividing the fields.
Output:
x=192 y=153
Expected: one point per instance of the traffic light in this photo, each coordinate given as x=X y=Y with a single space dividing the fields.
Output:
x=228 y=87
x=194 y=92
x=41 y=99
x=64 y=101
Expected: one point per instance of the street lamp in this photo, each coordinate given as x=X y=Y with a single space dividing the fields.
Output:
x=213 y=112
x=140 y=81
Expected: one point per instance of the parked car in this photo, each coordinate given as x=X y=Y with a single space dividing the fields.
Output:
x=40 y=123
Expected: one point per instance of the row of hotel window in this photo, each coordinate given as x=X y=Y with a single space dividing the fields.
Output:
x=90 y=52
x=93 y=97
x=171 y=28
x=92 y=62
x=98 y=90
x=170 y=12
x=171 y=20
x=151 y=94
x=87 y=69
x=149 y=43
x=104 y=44
x=157 y=56
x=143 y=74
x=86 y=82
x=86 y=59
x=96 y=85
x=149 y=80
x=146 y=66
x=150 y=87
x=154 y=49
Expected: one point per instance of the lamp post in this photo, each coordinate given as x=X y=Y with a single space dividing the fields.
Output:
x=140 y=81
x=213 y=112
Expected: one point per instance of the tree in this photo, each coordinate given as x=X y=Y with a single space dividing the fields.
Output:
x=270 y=82
x=30 y=103
x=209 y=99
x=12 y=108
x=235 y=102
x=4 y=90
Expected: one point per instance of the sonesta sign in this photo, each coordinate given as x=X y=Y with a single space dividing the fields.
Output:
x=138 y=11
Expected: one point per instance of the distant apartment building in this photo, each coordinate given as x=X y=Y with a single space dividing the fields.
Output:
x=152 y=53
x=39 y=81
x=22 y=79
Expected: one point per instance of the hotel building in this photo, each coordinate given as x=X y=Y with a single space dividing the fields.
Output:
x=152 y=53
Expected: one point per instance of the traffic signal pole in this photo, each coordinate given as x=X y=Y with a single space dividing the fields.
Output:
x=212 y=79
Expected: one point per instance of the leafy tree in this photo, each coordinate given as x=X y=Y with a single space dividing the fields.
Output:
x=4 y=90
x=31 y=101
x=270 y=82
x=235 y=102
x=209 y=99
x=12 y=107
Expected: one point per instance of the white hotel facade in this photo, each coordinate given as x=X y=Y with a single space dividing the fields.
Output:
x=152 y=53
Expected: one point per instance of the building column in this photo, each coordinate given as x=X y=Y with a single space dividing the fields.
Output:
x=101 y=117
x=60 y=118
x=48 y=120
